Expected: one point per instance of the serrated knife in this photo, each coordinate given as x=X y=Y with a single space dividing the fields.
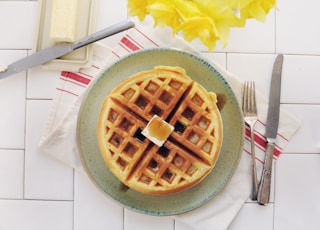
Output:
x=271 y=131
x=60 y=49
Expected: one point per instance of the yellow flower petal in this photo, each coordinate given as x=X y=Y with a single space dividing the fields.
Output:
x=138 y=8
x=164 y=14
x=202 y=28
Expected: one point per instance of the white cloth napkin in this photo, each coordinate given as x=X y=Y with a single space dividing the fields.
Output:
x=59 y=137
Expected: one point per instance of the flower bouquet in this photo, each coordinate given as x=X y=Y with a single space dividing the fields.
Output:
x=208 y=20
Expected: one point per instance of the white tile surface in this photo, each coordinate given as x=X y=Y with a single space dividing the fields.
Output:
x=20 y=25
x=298 y=27
x=301 y=73
x=11 y=174
x=12 y=103
x=36 y=215
x=257 y=67
x=45 y=178
x=92 y=210
x=307 y=138
x=297 y=200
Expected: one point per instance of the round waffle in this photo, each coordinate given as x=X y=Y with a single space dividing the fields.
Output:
x=188 y=153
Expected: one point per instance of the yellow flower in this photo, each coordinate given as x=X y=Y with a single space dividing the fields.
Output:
x=164 y=14
x=202 y=28
x=208 y=20
x=222 y=16
x=257 y=9
x=138 y=8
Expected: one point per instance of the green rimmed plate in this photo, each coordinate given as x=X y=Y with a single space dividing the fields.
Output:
x=233 y=132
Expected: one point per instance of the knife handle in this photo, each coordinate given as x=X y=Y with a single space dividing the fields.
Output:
x=265 y=183
x=111 y=30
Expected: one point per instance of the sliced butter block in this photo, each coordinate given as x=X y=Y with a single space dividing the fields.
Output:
x=3 y=68
x=64 y=20
x=157 y=130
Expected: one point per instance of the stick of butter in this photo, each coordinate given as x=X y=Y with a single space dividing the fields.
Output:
x=64 y=20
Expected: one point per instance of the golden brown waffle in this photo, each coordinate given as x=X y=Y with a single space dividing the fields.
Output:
x=191 y=150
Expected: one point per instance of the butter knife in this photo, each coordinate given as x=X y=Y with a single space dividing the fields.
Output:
x=60 y=49
x=271 y=131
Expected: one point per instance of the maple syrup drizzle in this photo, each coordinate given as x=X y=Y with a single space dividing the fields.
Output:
x=159 y=129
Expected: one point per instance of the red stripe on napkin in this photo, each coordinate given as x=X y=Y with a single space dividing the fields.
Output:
x=248 y=152
x=76 y=77
x=146 y=37
x=283 y=137
x=129 y=44
x=115 y=54
x=72 y=82
x=138 y=44
x=66 y=91
x=261 y=142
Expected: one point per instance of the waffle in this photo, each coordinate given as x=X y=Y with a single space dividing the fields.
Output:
x=189 y=152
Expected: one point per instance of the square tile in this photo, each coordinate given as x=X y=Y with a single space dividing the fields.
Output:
x=12 y=103
x=11 y=174
x=36 y=215
x=298 y=27
x=297 y=188
x=300 y=79
x=307 y=137
x=257 y=67
x=45 y=177
x=88 y=200
x=25 y=13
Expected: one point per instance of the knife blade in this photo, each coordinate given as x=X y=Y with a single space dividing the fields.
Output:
x=271 y=131
x=60 y=49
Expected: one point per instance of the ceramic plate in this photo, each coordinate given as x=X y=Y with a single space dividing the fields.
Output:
x=233 y=133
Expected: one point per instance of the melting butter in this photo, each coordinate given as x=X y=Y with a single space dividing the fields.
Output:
x=157 y=130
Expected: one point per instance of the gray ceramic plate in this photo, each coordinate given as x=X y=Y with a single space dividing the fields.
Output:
x=233 y=129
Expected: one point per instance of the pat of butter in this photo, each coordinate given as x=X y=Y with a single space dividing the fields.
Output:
x=3 y=68
x=157 y=130
x=64 y=20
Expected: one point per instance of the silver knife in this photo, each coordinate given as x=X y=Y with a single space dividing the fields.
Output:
x=60 y=49
x=271 y=131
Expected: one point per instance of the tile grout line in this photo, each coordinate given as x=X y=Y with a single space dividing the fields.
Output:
x=73 y=201
x=25 y=134
x=39 y=200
